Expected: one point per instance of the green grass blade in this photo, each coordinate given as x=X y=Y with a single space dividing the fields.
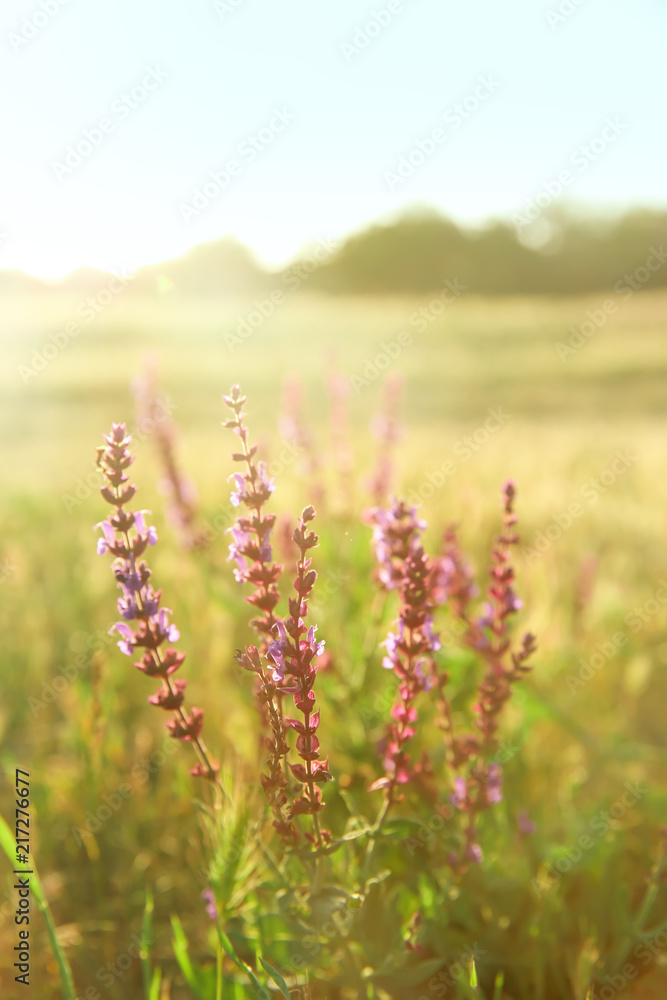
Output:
x=182 y=953
x=66 y=978
x=228 y=948
x=146 y=942
x=154 y=992
x=277 y=978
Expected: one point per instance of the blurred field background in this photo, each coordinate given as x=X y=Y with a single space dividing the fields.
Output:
x=575 y=750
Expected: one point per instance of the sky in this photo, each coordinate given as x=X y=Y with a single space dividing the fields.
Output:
x=316 y=118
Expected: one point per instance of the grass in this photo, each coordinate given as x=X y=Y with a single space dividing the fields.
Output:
x=576 y=746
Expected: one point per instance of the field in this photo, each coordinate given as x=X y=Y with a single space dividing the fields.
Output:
x=486 y=397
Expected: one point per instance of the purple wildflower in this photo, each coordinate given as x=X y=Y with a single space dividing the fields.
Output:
x=126 y=536
x=525 y=824
x=211 y=908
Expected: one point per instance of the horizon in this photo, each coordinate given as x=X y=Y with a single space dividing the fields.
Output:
x=570 y=212
x=308 y=126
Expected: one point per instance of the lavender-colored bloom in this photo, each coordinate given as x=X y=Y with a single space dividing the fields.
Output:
x=209 y=898
x=525 y=824
x=460 y=793
x=316 y=648
x=240 y=540
x=149 y=533
x=265 y=550
x=268 y=484
x=275 y=654
x=239 y=493
x=161 y=620
x=474 y=853
x=128 y=578
x=151 y=603
x=431 y=637
x=391 y=643
x=428 y=681
x=128 y=608
x=512 y=602
x=108 y=543
x=126 y=644
x=126 y=536
x=494 y=784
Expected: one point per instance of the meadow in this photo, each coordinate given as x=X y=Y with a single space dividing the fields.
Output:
x=569 y=901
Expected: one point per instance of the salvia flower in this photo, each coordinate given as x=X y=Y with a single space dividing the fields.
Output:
x=489 y=634
x=275 y=784
x=250 y=548
x=126 y=536
x=211 y=908
x=525 y=824
x=294 y=654
x=423 y=586
x=251 y=551
x=395 y=532
x=410 y=648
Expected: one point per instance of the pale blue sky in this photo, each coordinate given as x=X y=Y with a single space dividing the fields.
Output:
x=355 y=114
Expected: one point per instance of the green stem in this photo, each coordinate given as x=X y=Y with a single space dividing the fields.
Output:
x=66 y=979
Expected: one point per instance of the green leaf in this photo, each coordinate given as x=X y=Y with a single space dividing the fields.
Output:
x=182 y=953
x=401 y=827
x=228 y=949
x=498 y=986
x=146 y=942
x=154 y=992
x=473 y=974
x=277 y=978
x=8 y=845
x=355 y=834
